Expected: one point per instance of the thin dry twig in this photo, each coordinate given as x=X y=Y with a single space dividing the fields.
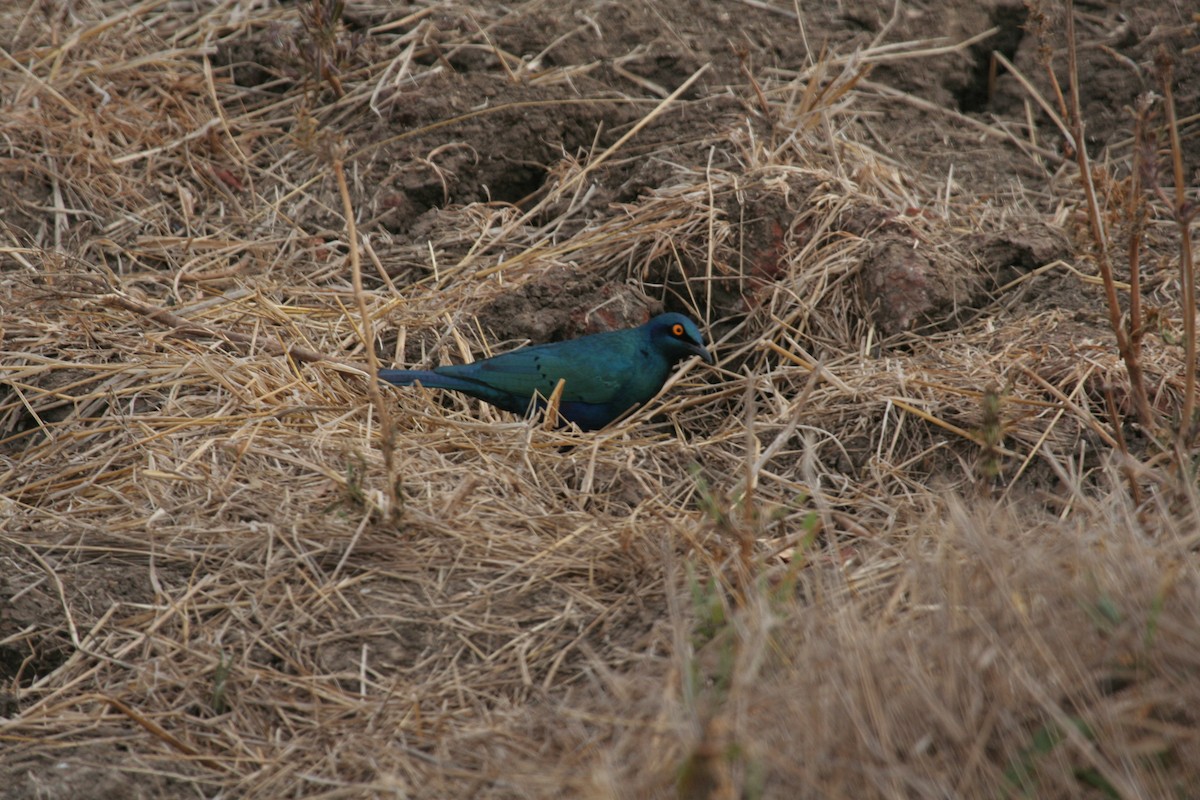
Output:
x=1132 y=359
x=387 y=428
x=1185 y=214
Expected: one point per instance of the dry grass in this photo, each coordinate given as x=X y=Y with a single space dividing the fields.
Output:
x=823 y=569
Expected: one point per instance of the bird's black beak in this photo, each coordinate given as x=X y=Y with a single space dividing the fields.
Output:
x=702 y=351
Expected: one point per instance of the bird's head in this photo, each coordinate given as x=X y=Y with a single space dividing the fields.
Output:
x=677 y=337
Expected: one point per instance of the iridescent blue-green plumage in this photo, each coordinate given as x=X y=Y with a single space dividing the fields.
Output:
x=605 y=374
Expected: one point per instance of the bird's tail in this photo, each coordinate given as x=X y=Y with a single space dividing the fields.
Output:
x=435 y=380
x=407 y=377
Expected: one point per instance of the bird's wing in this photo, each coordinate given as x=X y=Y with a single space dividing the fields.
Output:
x=592 y=375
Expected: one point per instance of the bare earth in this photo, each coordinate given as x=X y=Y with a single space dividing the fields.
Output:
x=917 y=535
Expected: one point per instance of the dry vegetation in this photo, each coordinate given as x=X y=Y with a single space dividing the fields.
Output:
x=918 y=534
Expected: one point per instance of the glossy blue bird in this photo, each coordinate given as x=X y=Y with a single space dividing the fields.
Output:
x=605 y=375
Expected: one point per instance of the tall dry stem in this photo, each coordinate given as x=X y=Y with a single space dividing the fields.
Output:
x=1184 y=213
x=1129 y=354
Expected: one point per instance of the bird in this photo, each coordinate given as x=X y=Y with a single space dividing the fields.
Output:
x=605 y=375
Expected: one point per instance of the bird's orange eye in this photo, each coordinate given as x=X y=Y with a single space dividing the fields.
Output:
x=677 y=329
